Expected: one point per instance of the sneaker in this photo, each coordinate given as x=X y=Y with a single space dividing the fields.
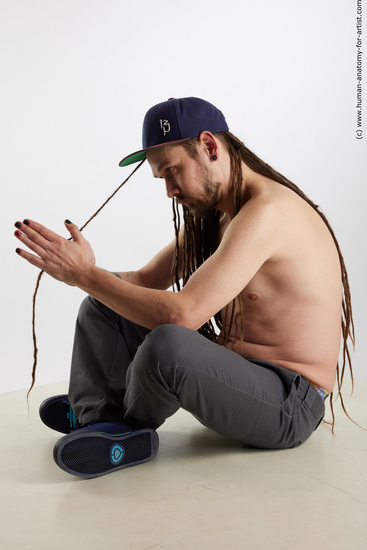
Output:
x=58 y=415
x=104 y=447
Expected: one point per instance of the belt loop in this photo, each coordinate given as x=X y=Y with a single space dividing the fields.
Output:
x=311 y=398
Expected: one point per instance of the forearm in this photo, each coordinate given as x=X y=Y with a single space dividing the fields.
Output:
x=139 y=278
x=132 y=277
x=145 y=306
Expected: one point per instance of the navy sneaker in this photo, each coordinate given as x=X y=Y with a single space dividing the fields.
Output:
x=104 y=447
x=58 y=415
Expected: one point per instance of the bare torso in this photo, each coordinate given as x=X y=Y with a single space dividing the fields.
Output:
x=292 y=306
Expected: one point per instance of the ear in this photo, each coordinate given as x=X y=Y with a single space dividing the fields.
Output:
x=209 y=142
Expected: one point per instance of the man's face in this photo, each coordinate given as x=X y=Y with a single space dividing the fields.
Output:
x=188 y=180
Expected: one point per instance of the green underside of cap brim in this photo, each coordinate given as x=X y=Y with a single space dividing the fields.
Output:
x=136 y=157
x=140 y=155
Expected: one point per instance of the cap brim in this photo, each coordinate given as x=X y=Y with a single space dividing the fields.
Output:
x=140 y=155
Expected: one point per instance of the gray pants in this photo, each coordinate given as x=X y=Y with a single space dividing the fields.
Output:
x=121 y=370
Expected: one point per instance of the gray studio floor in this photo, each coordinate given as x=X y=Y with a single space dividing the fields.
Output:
x=202 y=491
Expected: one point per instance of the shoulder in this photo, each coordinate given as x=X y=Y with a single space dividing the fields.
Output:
x=274 y=219
x=272 y=203
x=263 y=210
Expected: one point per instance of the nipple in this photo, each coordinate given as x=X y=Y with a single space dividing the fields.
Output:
x=253 y=296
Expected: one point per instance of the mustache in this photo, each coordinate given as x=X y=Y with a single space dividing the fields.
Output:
x=181 y=198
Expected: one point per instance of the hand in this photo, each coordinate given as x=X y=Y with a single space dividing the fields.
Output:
x=64 y=260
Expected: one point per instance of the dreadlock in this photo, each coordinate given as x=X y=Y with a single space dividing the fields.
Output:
x=34 y=299
x=201 y=240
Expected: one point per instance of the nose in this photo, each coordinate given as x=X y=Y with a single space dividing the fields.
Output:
x=172 y=188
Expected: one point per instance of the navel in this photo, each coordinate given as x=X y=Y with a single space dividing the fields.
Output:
x=253 y=296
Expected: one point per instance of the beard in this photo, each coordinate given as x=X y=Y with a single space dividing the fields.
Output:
x=203 y=208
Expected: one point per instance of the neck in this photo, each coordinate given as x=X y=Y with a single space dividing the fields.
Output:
x=226 y=202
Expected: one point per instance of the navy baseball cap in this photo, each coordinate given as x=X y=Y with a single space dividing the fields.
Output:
x=177 y=120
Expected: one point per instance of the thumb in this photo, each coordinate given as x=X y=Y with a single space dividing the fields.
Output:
x=73 y=230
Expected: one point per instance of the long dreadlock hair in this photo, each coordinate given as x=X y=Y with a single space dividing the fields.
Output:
x=34 y=299
x=201 y=240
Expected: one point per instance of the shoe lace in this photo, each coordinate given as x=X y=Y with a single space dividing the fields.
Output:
x=73 y=419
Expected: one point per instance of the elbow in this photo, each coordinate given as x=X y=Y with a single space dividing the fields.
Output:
x=184 y=318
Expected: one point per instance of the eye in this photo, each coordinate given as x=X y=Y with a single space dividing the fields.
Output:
x=170 y=169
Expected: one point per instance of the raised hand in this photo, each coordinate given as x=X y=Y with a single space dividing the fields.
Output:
x=64 y=260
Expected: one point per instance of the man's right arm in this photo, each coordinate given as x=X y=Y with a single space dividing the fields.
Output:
x=156 y=273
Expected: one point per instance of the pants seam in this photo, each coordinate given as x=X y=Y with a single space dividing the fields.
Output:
x=279 y=407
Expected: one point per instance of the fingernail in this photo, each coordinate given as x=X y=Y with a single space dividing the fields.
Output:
x=68 y=221
x=26 y=222
x=18 y=234
x=17 y=250
x=18 y=225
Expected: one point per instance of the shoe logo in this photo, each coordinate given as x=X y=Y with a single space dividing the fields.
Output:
x=117 y=454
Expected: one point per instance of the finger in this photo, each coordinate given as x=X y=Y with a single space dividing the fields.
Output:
x=34 y=260
x=33 y=229
x=33 y=240
x=73 y=230
x=39 y=234
x=40 y=251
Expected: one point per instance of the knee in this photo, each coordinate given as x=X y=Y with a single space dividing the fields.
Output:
x=90 y=305
x=168 y=340
x=167 y=345
x=85 y=308
x=163 y=350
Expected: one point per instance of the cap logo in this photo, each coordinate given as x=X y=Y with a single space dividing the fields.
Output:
x=165 y=125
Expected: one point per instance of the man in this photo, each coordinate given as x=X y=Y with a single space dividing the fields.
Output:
x=254 y=252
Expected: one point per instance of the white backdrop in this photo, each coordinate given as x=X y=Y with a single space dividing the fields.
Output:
x=77 y=77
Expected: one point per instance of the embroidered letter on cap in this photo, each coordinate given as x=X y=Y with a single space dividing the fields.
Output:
x=165 y=125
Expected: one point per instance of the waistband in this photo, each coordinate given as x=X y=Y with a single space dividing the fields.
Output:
x=323 y=393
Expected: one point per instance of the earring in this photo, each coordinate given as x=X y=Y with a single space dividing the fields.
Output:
x=214 y=157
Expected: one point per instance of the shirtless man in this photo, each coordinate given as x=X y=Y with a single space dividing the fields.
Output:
x=274 y=274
